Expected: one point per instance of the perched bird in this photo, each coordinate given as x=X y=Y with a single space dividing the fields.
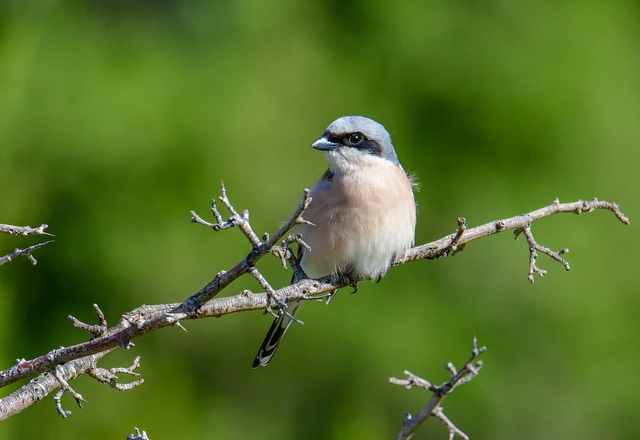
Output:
x=363 y=211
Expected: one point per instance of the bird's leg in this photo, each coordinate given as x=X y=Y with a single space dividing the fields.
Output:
x=341 y=279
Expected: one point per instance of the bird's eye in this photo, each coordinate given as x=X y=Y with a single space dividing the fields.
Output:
x=355 y=138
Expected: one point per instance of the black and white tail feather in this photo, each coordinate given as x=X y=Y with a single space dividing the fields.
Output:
x=276 y=333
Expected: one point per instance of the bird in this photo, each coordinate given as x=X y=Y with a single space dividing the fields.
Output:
x=362 y=213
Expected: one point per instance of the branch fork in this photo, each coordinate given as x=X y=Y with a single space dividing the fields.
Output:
x=96 y=330
x=259 y=249
x=433 y=408
x=533 y=254
x=110 y=377
x=63 y=373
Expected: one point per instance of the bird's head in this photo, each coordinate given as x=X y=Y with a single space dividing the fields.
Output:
x=354 y=142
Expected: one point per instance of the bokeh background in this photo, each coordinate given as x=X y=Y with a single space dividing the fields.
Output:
x=117 y=118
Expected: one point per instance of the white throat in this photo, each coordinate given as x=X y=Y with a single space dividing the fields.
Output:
x=345 y=160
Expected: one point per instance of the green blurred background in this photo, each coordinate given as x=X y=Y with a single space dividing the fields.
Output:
x=119 y=117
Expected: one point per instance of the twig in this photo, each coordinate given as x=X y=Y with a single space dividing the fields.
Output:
x=533 y=255
x=44 y=384
x=466 y=373
x=24 y=230
x=138 y=435
x=110 y=377
x=241 y=221
x=58 y=373
x=95 y=329
x=260 y=249
x=455 y=246
x=521 y=223
x=20 y=252
x=453 y=429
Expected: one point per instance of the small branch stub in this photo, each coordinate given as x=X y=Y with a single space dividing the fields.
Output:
x=453 y=246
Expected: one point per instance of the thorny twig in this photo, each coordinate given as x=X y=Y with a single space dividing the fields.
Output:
x=520 y=224
x=433 y=409
x=26 y=252
x=259 y=250
x=149 y=318
x=96 y=330
x=65 y=387
x=63 y=373
x=285 y=253
x=24 y=231
x=110 y=377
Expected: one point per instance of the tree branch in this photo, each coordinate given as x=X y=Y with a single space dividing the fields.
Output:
x=27 y=252
x=24 y=231
x=146 y=319
x=433 y=408
x=38 y=388
x=455 y=242
x=61 y=374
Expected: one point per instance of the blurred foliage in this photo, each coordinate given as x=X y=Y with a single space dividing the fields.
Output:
x=117 y=118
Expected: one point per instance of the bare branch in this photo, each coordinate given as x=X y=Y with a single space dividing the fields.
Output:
x=296 y=219
x=224 y=278
x=95 y=329
x=520 y=223
x=110 y=377
x=38 y=388
x=20 y=252
x=241 y=221
x=58 y=373
x=453 y=429
x=533 y=255
x=24 y=230
x=150 y=318
x=466 y=373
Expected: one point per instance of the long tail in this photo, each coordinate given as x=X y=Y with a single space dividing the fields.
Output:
x=275 y=335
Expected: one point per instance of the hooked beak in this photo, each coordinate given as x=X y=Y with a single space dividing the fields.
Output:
x=324 y=144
